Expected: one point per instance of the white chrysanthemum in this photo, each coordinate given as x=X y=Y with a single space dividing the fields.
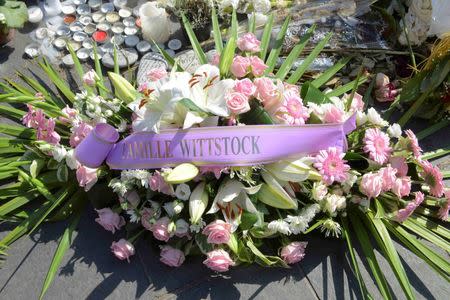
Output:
x=394 y=130
x=183 y=192
x=349 y=182
x=119 y=187
x=71 y=161
x=197 y=227
x=374 y=117
x=319 y=191
x=59 y=153
x=333 y=203
x=134 y=218
x=141 y=176
x=297 y=224
x=331 y=228
x=122 y=126
x=280 y=226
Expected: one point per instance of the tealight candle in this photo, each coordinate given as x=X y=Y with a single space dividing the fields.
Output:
x=85 y=19
x=32 y=50
x=130 y=21
x=76 y=26
x=108 y=47
x=69 y=19
x=68 y=9
x=120 y=3
x=100 y=36
x=79 y=36
x=130 y=30
x=98 y=17
x=90 y=28
x=79 y=2
x=170 y=52
x=59 y=43
x=68 y=60
x=174 y=44
x=131 y=41
x=143 y=47
x=83 y=9
x=63 y=30
x=88 y=43
x=100 y=54
x=125 y=12
x=75 y=45
x=83 y=54
x=103 y=26
x=95 y=4
x=107 y=7
x=117 y=27
x=117 y=39
x=35 y=14
x=112 y=17
x=52 y=7
x=41 y=33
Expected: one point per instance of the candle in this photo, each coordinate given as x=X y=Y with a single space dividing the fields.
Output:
x=83 y=9
x=120 y=3
x=85 y=19
x=130 y=21
x=117 y=27
x=52 y=7
x=107 y=7
x=41 y=33
x=54 y=22
x=98 y=17
x=100 y=54
x=76 y=26
x=112 y=17
x=125 y=12
x=108 y=47
x=174 y=44
x=143 y=47
x=63 y=30
x=90 y=28
x=75 y=45
x=79 y=36
x=59 y=43
x=95 y=4
x=35 y=14
x=100 y=36
x=32 y=50
x=88 y=43
x=103 y=26
x=79 y=2
x=83 y=54
x=131 y=41
x=68 y=60
x=69 y=19
x=68 y=8
x=130 y=30
x=117 y=39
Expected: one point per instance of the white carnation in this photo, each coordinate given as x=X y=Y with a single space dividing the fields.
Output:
x=183 y=192
x=334 y=203
x=319 y=191
x=395 y=130
x=261 y=6
x=173 y=208
x=374 y=117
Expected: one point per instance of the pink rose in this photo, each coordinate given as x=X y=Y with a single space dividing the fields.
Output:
x=160 y=229
x=267 y=92
x=388 y=175
x=245 y=86
x=218 y=232
x=249 y=42
x=109 y=220
x=402 y=186
x=240 y=66
x=130 y=197
x=79 y=134
x=371 y=185
x=146 y=215
x=399 y=163
x=237 y=103
x=90 y=78
x=171 y=256
x=122 y=249
x=218 y=260
x=70 y=113
x=156 y=74
x=158 y=184
x=86 y=177
x=294 y=252
x=215 y=59
x=258 y=66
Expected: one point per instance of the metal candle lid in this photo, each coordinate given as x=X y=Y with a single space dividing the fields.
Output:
x=120 y=3
x=90 y=28
x=174 y=44
x=63 y=30
x=76 y=26
x=170 y=52
x=83 y=9
x=112 y=17
x=131 y=40
x=88 y=43
x=117 y=39
x=79 y=36
x=98 y=17
x=68 y=9
x=32 y=50
x=79 y=2
x=130 y=30
x=68 y=60
x=125 y=12
x=74 y=44
x=35 y=14
x=83 y=54
x=143 y=47
x=108 y=47
x=117 y=27
x=85 y=19
x=103 y=26
x=59 y=43
x=107 y=7
x=95 y=4
x=130 y=21
x=41 y=33
x=100 y=54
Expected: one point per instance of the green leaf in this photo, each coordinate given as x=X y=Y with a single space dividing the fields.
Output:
x=248 y=220
x=298 y=73
x=252 y=23
x=74 y=205
x=366 y=245
x=17 y=202
x=62 y=173
x=413 y=109
x=233 y=243
x=99 y=71
x=116 y=61
x=17 y=131
x=264 y=260
x=78 y=66
x=346 y=234
x=265 y=40
x=436 y=228
x=202 y=243
x=36 y=166
x=226 y=58
x=11 y=113
x=190 y=105
x=426 y=234
x=312 y=94
x=346 y=87
x=64 y=244
x=295 y=53
x=329 y=73
x=275 y=52
x=216 y=31
x=193 y=39
x=433 y=128
x=437 y=75
x=16 y=13
x=170 y=60
x=57 y=80
x=434 y=154
x=411 y=89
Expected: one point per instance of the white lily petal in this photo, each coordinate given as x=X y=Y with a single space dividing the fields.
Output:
x=229 y=190
x=253 y=189
x=192 y=117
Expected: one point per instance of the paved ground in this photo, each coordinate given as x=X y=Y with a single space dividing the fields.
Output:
x=90 y=271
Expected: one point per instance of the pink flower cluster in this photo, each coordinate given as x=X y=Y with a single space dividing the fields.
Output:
x=218 y=232
x=79 y=133
x=376 y=143
x=249 y=43
x=109 y=220
x=86 y=177
x=291 y=111
x=45 y=128
x=242 y=65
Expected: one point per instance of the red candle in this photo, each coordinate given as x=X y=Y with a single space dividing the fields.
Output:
x=69 y=19
x=100 y=36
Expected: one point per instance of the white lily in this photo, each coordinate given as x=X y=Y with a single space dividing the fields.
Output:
x=197 y=203
x=232 y=198
x=291 y=170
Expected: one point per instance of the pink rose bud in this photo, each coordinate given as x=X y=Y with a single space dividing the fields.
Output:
x=249 y=42
x=109 y=220
x=160 y=229
x=371 y=185
x=258 y=66
x=90 y=77
x=245 y=86
x=381 y=80
x=171 y=256
x=237 y=103
x=122 y=249
x=294 y=252
x=240 y=66
x=218 y=260
x=156 y=74
x=86 y=177
x=218 y=232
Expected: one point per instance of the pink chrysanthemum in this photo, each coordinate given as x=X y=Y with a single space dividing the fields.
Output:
x=413 y=144
x=331 y=165
x=443 y=211
x=376 y=143
x=406 y=212
x=433 y=177
x=389 y=176
x=292 y=111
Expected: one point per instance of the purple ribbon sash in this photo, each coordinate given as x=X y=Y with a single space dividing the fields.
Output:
x=212 y=146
